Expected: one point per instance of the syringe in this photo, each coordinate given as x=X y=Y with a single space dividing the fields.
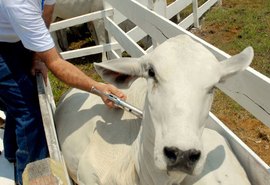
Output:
x=120 y=103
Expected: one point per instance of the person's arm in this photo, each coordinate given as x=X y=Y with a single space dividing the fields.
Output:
x=37 y=64
x=48 y=14
x=31 y=29
x=72 y=76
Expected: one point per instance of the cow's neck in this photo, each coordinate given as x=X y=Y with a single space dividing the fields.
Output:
x=124 y=172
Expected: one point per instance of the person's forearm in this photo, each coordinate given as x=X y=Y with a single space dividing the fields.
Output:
x=71 y=75
x=74 y=77
x=66 y=71
x=48 y=14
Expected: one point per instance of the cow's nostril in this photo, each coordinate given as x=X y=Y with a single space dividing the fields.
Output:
x=194 y=155
x=181 y=160
x=171 y=153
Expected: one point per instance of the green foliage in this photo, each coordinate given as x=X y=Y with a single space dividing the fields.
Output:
x=58 y=87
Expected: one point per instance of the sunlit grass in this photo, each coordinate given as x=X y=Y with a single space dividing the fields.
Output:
x=59 y=88
x=238 y=24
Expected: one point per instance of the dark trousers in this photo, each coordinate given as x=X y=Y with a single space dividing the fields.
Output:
x=24 y=137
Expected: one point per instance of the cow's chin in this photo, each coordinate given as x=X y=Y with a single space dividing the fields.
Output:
x=200 y=165
x=176 y=176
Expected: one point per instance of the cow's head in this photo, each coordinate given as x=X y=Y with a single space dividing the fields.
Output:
x=181 y=75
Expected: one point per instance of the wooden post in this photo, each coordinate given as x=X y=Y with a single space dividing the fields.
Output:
x=45 y=172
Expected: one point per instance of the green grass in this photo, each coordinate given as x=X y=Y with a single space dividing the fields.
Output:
x=59 y=88
x=238 y=24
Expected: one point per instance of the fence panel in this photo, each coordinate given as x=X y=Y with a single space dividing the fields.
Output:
x=239 y=88
x=161 y=29
x=188 y=21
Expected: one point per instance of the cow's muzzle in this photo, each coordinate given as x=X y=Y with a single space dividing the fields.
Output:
x=178 y=160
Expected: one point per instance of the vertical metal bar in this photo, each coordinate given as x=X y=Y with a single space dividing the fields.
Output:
x=195 y=13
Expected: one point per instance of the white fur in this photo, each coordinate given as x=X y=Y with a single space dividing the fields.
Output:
x=104 y=146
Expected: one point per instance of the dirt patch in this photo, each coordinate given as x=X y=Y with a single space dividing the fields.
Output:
x=213 y=31
x=253 y=133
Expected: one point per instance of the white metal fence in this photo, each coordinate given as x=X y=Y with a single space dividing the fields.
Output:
x=137 y=33
x=250 y=89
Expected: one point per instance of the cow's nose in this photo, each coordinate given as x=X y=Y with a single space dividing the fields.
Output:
x=178 y=160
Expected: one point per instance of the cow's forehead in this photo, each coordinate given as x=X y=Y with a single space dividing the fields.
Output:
x=185 y=60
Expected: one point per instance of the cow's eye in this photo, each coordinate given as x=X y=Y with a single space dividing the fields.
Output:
x=151 y=72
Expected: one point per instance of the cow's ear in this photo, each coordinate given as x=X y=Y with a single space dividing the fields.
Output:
x=236 y=63
x=120 y=72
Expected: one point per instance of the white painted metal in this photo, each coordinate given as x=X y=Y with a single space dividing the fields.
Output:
x=188 y=21
x=258 y=171
x=176 y=7
x=251 y=90
x=136 y=34
x=195 y=13
x=80 y=19
x=90 y=50
x=131 y=47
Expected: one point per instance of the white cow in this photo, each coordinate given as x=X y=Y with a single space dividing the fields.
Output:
x=173 y=85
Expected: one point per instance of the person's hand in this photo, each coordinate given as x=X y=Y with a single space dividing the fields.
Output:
x=110 y=89
x=39 y=66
